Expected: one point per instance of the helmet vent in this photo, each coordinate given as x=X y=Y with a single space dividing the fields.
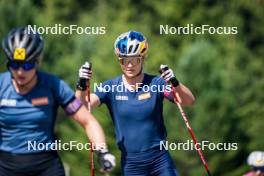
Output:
x=18 y=38
x=143 y=50
x=130 y=49
x=136 y=48
x=123 y=47
x=130 y=44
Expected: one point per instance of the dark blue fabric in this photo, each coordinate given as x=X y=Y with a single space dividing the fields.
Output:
x=154 y=162
x=42 y=164
x=30 y=117
x=139 y=124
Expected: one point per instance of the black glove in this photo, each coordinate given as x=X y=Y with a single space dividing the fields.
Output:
x=168 y=75
x=85 y=74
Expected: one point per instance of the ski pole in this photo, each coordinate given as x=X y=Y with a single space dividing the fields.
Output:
x=89 y=109
x=163 y=68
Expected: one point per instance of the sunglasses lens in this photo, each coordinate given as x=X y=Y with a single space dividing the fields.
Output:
x=28 y=66
x=122 y=61
x=14 y=65
x=261 y=169
x=25 y=65
x=133 y=61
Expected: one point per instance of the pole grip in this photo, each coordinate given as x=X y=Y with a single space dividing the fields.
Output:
x=163 y=68
x=173 y=80
x=84 y=81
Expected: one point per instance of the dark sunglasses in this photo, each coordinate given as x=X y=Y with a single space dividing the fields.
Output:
x=261 y=169
x=15 y=65
x=133 y=60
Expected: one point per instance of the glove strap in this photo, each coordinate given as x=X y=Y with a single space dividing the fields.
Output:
x=102 y=151
x=174 y=82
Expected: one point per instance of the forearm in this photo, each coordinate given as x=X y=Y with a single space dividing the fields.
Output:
x=82 y=96
x=95 y=133
x=94 y=100
x=92 y=127
x=184 y=95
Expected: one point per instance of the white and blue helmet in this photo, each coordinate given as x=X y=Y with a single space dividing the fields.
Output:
x=256 y=160
x=131 y=43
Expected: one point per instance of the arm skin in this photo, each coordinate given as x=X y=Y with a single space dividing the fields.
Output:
x=94 y=99
x=92 y=128
x=184 y=95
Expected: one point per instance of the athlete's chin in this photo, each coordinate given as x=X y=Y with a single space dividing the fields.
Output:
x=21 y=82
x=130 y=74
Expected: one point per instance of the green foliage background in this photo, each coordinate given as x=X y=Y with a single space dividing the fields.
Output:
x=225 y=72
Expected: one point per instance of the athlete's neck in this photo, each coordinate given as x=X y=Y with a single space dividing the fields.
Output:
x=133 y=82
x=24 y=89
